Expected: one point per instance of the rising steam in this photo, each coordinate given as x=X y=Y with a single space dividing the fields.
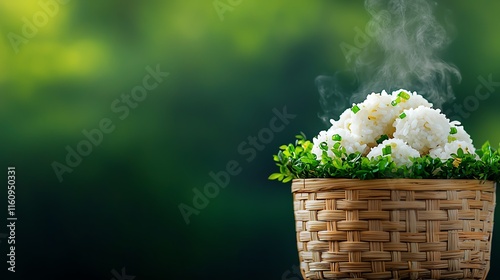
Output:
x=332 y=96
x=406 y=39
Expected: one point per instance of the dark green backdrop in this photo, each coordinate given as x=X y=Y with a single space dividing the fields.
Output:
x=119 y=205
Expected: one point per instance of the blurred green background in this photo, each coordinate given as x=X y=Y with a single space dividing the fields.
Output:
x=119 y=208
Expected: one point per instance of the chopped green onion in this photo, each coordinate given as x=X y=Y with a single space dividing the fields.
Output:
x=404 y=95
x=453 y=130
x=402 y=116
x=387 y=150
x=323 y=146
x=336 y=137
x=396 y=101
x=451 y=139
x=355 y=109
x=382 y=138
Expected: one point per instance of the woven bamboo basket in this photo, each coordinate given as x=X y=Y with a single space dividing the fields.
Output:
x=394 y=228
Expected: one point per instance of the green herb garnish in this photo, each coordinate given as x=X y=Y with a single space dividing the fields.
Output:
x=323 y=146
x=387 y=150
x=297 y=161
x=355 y=109
x=396 y=101
x=336 y=137
x=453 y=130
x=382 y=138
x=404 y=95
x=402 y=116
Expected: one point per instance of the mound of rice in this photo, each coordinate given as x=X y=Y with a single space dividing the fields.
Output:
x=460 y=135
x=348 y=140
x=400 y=151
x=444 y=152
x=422 y=128
x=404 y=120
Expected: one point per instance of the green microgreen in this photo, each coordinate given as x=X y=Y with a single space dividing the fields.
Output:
x=387 y=150
x=298 y=161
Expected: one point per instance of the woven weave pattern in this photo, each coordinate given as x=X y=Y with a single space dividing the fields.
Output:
x=394 y=229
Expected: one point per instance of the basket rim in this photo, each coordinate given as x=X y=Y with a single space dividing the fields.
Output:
x=322 y=184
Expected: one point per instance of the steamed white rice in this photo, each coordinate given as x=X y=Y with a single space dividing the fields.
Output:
x=461 y=134
x=423 y=128
x=412 y=126
x=374 y=118
x=349 y=141
x=444 y=152
x=401 y=153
